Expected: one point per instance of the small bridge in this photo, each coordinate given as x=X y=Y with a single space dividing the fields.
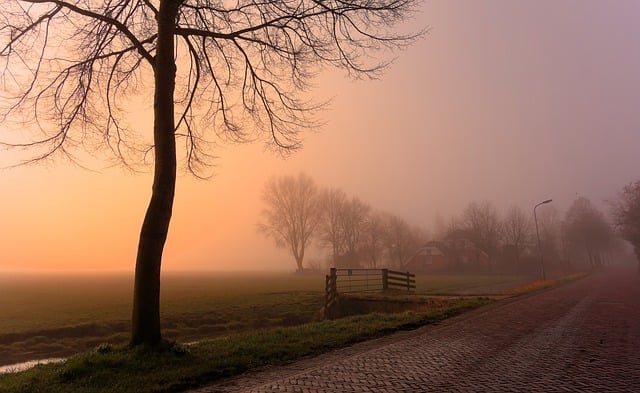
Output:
x=365 y=280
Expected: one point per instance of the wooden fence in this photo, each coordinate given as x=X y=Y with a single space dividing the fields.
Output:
x=365 y=280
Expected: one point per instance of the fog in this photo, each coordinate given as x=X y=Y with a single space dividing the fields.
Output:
x=507 y=102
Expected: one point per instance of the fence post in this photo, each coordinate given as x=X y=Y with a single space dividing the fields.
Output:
x=334 y=281
x=408 y=282
x=331 y=287
x=327 y=291
x=385 y=279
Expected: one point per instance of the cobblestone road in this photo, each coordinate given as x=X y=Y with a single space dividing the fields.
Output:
x=579 y=337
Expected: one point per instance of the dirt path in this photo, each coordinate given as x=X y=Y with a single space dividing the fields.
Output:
x=580 y=337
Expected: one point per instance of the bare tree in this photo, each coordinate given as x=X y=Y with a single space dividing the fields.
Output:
x=355 y=217
x=331 y=227
x=439 y=226
x=342 y=225
x=373 y=240
x=401 y=240
x=625 y=212
x=516 y=230
x=68 y=67
x=585 y=227
x=482 y=223
x=292 y=213
x=550 y=225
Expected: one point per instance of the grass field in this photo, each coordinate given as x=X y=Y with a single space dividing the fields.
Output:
x=57 y=316
x=174 y=368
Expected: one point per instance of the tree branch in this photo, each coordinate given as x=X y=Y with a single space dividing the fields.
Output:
x=103 y=18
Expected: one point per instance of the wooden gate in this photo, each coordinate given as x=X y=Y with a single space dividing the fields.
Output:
x=365 y=280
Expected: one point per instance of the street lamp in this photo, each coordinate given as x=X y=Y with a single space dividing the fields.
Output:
x=535 y=218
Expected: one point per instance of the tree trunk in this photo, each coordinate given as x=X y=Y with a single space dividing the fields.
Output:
x=146 y=292
x=299 y=266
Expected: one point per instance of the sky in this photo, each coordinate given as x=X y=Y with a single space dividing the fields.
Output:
x=511 y=102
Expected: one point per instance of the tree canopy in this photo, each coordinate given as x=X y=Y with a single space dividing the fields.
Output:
x=70 y=67
x=626 y=215
x=517 y=230
x=218 y=70
x=586 y=228
x=292 y=213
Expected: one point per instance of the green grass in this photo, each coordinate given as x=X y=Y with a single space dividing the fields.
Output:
x=142 y=370
x=57 y=316
x=37 y=302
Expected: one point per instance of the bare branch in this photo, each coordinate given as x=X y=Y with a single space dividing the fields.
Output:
x=96 y=16
x=241 y=67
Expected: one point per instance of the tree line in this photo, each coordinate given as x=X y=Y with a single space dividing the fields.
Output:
x=581 y=238
x=298 y=213
x=626 y=216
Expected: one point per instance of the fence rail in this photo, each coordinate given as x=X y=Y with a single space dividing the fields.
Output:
x=365 y=280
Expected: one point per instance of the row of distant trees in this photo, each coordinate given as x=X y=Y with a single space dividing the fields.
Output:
x=581 y=238
x=297 y=212
x=626 y=216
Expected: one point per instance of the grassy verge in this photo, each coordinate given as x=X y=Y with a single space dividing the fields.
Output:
x=178 y=367
x=251 y=312
x=539 y=285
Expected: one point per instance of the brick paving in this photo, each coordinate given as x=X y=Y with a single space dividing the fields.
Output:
x=580 y=337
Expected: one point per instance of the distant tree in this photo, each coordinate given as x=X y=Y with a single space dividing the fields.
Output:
x=625 y=211
x=372 y=241
x=586 y=228
x=517 y=229
x=439 y=226
x=331 y=228
x=355 y=217
x=551 y=234
x=292 y=213
x=401 y=240
x=341 y=225
x=70 y=66
x=482 y=222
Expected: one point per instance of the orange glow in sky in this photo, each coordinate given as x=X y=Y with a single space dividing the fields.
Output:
x=509 y=102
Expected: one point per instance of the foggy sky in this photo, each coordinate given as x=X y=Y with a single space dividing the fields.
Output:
x=503 y=101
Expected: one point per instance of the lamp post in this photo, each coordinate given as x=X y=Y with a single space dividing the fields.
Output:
x=535 y=218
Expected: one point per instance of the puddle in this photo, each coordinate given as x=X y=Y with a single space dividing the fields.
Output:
x=14 y=368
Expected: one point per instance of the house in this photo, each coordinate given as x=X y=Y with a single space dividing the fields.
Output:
x=428 y=258
x=459 y=254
